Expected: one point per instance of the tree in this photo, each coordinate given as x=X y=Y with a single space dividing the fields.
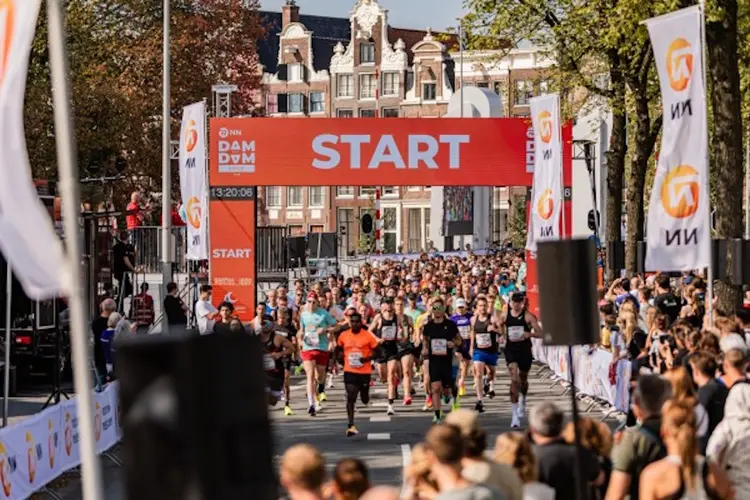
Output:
x=517 y=224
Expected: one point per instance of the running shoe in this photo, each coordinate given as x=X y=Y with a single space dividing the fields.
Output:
x=322 y=396
x=311 y=411
x=427 y=404
x=390 y=410
x=515 y=422
x=462 y=391
x=436 y=420
x=329 y=382
x=298 y=370
x=446 y=399
x=491 y=394
x=318 y=406
x=288 y=411
x=521 y=406
x=479 y=407
x=456 y=404
x=413 y=392
x=351 y=431
x=486 y=389
x=407 y=401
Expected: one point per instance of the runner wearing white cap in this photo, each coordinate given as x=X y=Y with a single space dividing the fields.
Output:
x=462 y=318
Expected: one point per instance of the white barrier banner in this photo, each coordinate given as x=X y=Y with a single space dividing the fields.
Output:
x=546 y=191
x=71 y=456
x=679 y=237
x=27 y=234
x=193 y=179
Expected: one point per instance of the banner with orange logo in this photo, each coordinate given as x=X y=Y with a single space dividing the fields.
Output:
x=546 y=190
x=27 y=234
x=679 y=237
x=193 y=179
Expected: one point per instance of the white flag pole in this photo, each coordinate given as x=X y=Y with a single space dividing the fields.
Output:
x=68 y=168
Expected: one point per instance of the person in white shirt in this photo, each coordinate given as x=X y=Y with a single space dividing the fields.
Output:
x=205 y=311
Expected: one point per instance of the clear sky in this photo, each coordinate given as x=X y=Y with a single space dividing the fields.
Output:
x=415 y=14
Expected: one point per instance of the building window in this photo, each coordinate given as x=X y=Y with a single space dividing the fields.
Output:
x=345 y=86
x=272 y=104
x=414 y=188
x=429 y=91
x=316 y=102
x=346 y=230
x=316 y=229
x=345 y=191
x=294 y=196
x=390 y=84
x=524 y=92
x=273 y=196
x=345 y=113
x=317 y=196
x=483 y=85
x=367 y=86
x=295 y=72
x=409 y=80
x=367 y=113
x=295 y=230
x=390 y=113
x=414 y=230
x=390 y=229
x=497 y=87
x=366 y=53
x=366 y=191
x=296 y=103
x=389 y=191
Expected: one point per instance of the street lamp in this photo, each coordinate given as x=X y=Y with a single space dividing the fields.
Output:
x=166 y=164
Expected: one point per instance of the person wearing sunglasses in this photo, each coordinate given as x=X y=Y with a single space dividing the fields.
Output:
x=441 y=338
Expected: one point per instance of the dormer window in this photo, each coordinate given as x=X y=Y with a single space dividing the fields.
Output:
x=366 y=52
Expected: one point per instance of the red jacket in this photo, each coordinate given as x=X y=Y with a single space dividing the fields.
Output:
x=142 y=309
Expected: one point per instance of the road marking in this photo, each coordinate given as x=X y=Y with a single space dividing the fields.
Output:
x=406 y=459
x=380 y=419
x=378 y=437
x=381 y=404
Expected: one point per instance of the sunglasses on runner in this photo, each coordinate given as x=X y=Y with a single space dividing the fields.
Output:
x=438 y=307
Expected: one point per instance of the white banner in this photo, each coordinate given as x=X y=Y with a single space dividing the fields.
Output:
x=27 y=234
x=546 y=191
x=193 y=179
x=679 y=237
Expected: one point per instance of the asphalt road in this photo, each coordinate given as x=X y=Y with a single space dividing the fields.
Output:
x=384 y=443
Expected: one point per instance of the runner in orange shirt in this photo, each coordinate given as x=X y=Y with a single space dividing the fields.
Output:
x=358 y=345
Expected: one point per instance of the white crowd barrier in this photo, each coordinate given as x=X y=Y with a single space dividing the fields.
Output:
x=591 y=372
x=36 y=451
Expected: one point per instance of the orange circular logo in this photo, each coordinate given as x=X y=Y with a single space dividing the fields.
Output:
x=545 y=204
x=194 y=212
x=7 y=15
x=191 y=136
x=680 y=192
x=545 y=124
x=679 y=64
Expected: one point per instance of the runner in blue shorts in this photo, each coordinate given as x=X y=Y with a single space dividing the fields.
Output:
x=462 y=318
x=484 y=333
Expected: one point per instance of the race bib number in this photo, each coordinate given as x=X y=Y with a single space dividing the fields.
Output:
x=389 y=333
x=464 y=331
x=484 y=340
x=312 y=339
x=355 y=359
x=268 y=362
x=439 y=347
x=515 y=333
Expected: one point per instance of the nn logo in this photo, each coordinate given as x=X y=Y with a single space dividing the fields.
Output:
x=7 y=16
x=680 y=198
x=191 y=136
x=545 y=124
x=680 y=71
x=193 y=210
x=545 y=205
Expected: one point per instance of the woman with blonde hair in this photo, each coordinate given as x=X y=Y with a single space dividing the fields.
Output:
x=514 y=449
x=421 y=484
x=683 y=474
x=683 y=392
x=627 y=322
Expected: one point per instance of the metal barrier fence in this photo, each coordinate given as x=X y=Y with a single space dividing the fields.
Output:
x=148 y=248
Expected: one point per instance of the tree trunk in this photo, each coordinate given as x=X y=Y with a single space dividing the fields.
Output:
x=615 y=171
x=646 y=134
x=721 y=37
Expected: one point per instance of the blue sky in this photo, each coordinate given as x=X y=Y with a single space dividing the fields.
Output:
x=415 y=14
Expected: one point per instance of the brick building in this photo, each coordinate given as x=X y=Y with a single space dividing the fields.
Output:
x=361 y=66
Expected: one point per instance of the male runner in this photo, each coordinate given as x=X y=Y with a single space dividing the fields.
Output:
x=275 y=348
x=440 y=338
x=422 y=358
x=285 y=328
x=484 y=333
x=406 y=349
x=314 y=335
x=462 y=318
x=520 y=326
x=358 y=345
x=386 y=327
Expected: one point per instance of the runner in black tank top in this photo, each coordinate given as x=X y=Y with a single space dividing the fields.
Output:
x=386 y=327
x=484 y=333
x=275 y=347
x=520 y=326
x=405 y=349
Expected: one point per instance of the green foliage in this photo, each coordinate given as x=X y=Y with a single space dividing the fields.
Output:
x=517 y=224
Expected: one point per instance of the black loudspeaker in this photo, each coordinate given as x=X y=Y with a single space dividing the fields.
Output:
x=295 y=247
x=738 y=270
x=194 y=418
x=616 y=256
x=719 y=259
x=325 y=242
x=567 y=275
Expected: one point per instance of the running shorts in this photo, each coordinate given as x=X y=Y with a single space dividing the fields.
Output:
x=359 y=379
x=487 y=358
x=389 y=351
x=442 y=371
x=519 y=354
x=275 y=385
x=319 y=357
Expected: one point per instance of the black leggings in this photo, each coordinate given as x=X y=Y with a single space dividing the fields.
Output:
x=355 y=384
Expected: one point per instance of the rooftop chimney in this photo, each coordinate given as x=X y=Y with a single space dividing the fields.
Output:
x=289 y=13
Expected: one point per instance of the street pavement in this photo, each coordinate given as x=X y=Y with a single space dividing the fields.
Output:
x=384 y=443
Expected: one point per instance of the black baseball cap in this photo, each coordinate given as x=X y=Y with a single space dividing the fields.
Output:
x=517 y=297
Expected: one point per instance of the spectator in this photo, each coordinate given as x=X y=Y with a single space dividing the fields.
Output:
x=712 y=393
x=734 y=366
x=445 y=451
x=641 y=445
x=205 y=311
x=303 y=472
x=475 y=467
x=684 y=394
x=98 y=325
x=682 y=473
x=107 y=340
x=421 y=484
x=666 y=301
x=743 y=320
x=728 y=443
x=142 y=310
x=513 y=449
x=557 y=459
x=136 y=214
x=596 y=437
x=175 y=309
x=382 y=493
x=350 y=480
x=123 y=266
x=226 y=310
